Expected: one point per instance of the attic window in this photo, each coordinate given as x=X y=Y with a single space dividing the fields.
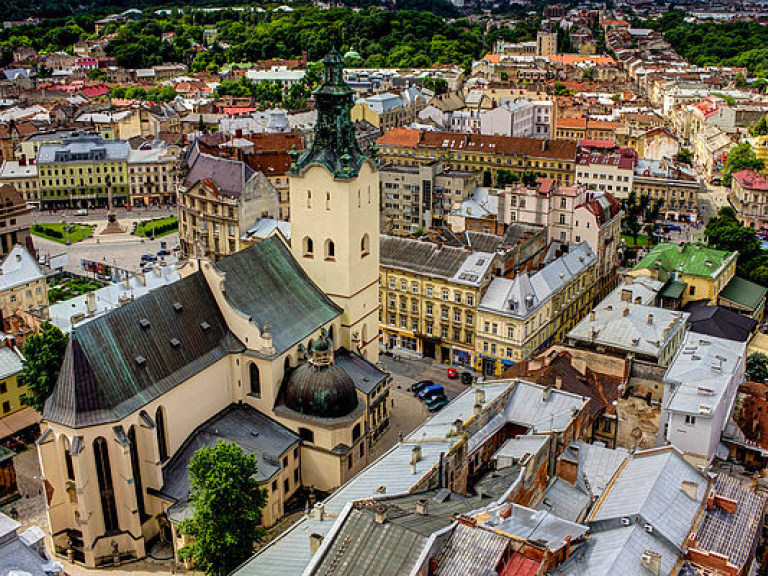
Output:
x=144 y=323
x=205 y=326
x=178 y=307
x=141 y=361
x=175 y=342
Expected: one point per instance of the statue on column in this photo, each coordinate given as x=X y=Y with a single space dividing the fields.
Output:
x=113 y=227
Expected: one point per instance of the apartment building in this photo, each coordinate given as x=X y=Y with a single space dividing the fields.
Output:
x=152 y=176
x=749 y=197
x=519 y=118
x=585 y=129
x=519 y=316
x=609 y=171
x=11 y=392
x=22 y=284
x=79 y=171
x=15 y=219
x=22 y=175
x=673 y=183
x=481 y=153
x=420 y=197
x=571 y=214
x=428 y=298
x=219 y=201
x=387 y=110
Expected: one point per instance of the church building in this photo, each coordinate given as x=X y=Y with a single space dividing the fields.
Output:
x=274 y=347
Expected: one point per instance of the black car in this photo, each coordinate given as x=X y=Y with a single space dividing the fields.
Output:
x=148 y=258
x=163 y=252
x=419 y=386
x=437 y=403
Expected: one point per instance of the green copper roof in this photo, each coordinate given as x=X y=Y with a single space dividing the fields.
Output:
x=335 y=145
x=691 y=259
x=673 y=290
x=744 y=293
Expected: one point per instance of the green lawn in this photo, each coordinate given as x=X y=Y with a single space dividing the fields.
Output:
x=642 y=240
x=57 y=233
x=59 y=290
x=161 y=227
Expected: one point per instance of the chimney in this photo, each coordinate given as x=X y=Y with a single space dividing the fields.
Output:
x=546 y=394
x=478 y=409
x=90 y=303
x=479 y=396
x=651 y=561
x=416 y=454
x=625 y=313
x=381 y=489
x=559 y=383
x=23 y=160
x=592 y=316
x=650 y=318
x=239 y=133
x=422 y=507
x=690 y=488
x=628 y=280
x=318 y=512
x=380 y=516
x=315 y=540
x=505 y=511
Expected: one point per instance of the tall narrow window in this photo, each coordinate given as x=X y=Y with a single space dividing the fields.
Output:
x=309 y=198
x=365 y=245
x=255 y=379
x=68 y=460
x=106 y=489
x=330 y=250
x=138 y=487
x=162 y=441
x=308 y=246
x=327 y=200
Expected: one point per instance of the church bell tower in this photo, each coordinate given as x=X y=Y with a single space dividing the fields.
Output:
x=334 y=202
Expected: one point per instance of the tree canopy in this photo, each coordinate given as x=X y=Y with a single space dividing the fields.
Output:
x=227 y=503
x=43 y=355
x=741 y=157
x=725 y=232
x=757 y=367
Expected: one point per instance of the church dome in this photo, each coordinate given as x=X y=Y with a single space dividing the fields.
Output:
x=321 y=391
x=320 y=387
x=352 y=55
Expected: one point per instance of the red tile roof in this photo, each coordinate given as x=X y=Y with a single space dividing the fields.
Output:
x=751 y=180
x=519 y=565
x=585 y=143
x=480 y=143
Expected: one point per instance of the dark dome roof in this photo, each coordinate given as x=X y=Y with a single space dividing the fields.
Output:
x=321 y=391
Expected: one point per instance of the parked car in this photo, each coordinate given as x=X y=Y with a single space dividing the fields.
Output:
x=674 y=227
x=466 y=378
x=453 y=373
x=431 y=393
x=430 y=390
x=419 y=386
x=148 y=258
x=163 y=252
x=81 y=212
x=437 y=403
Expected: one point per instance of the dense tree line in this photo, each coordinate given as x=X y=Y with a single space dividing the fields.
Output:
x=743 y=44
x=725 y=232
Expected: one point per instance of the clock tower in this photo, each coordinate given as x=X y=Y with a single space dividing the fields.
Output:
x=334 y=202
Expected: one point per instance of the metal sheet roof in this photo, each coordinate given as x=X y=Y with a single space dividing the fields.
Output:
x=470 y=551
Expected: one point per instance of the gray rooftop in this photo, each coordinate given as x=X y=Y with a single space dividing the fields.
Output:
x=83 y=148
x=10 y=362
x=701 y=372
x=638 y=290
x=429 y=259
x=19 y=268
x=254 y=432
x=533 y=525
x=565 y=500
x=470 y=550
x=17 y=558
x=627 y=327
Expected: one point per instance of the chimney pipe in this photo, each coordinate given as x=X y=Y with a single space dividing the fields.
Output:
x=478 y=409
x=422 y=507
x=479 y=396
x=315 y=540
x=416 y=454
x=625 y=313
x=650 y=318
x=380 y=516
x=559 y=383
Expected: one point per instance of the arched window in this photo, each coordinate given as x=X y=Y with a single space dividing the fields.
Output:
x=162 y=440
x=308 y=247
x=254 y=379
x=106 y=489
x=356 y=432
x=307 y=435
x=365 y=246
x=330 y=250
x=136 y=471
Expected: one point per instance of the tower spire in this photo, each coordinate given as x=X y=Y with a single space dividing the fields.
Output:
x=335 y=145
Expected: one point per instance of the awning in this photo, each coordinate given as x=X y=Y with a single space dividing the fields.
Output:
x=18 y=421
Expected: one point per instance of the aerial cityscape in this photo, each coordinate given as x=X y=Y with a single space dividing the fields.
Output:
x=407 y=288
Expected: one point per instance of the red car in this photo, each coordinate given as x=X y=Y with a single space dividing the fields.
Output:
x=453 y=373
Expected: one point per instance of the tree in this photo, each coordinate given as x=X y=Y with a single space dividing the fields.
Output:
x=742 y=157
x=561 y=89
x=757 y=367
x=760 y=128
x=504 y=76
x=98 y=74
x=684 y=156
x=227 y=504
x=437 y=85
x=504 y=177
x=739 y=80
x=43 y=355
